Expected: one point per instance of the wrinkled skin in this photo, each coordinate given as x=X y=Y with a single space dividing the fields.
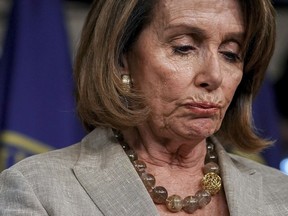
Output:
x=187 y=63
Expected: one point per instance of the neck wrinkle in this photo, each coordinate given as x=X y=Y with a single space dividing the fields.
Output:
x=172 y=155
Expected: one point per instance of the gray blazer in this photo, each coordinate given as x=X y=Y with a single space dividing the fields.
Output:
x=95 y=177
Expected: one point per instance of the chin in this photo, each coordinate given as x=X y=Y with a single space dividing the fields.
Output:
x=201 y=134
x=201 y=131
x=195 y=133
x=195 y=129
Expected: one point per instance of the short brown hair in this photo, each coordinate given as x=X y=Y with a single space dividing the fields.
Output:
x=260 y=33
x=112 y=26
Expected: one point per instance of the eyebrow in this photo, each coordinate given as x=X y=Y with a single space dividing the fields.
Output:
x=237 y=37
x=198 y=33
x=201 y=34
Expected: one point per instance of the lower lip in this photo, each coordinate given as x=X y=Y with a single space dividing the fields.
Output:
x=202 y=111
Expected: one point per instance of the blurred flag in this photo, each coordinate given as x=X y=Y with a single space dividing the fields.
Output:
x=267 y=122
x=37 y=110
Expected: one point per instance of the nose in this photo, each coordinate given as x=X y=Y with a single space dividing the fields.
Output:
x=209 y=75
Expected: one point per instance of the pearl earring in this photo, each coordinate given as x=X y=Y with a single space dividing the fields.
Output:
x=126 y=81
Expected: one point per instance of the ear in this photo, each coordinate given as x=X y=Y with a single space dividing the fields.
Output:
x=124 y=67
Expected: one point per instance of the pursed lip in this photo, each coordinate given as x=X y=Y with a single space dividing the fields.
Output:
x=203 y=108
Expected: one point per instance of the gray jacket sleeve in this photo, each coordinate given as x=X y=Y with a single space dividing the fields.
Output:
x=17 y=196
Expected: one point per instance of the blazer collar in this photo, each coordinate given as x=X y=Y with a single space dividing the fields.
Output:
x=242 y=185
x=107 y=175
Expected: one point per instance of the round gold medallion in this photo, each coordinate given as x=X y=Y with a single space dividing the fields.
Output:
x=211 y=182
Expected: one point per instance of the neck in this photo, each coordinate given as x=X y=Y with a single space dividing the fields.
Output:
x=164 y=152
x=210 y=183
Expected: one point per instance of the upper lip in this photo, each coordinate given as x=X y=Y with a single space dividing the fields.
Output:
x=203 y=105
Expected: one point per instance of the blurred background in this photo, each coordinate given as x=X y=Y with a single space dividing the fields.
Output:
x=38 y=40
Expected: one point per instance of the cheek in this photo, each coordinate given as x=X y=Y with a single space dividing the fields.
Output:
x=159 y=80
x=230 y=87
x=232 y=78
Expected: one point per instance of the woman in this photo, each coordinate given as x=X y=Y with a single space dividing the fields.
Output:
x=159 y=83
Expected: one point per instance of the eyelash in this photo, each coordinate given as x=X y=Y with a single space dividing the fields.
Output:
x=183 y=50
x=231 y=57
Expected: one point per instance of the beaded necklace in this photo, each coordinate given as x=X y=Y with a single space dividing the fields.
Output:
x=211 y=182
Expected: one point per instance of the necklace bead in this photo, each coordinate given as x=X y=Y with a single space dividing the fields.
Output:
x=210 y=146
x=190 y=204
x=211 y=182
x=204 y=198
x=211 y=167
x=132 y=155
x=211 y=157
x=148 y=180
x=139 y=165
x=174 y=203
x=159 y=195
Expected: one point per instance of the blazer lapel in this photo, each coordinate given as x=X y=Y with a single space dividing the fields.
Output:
x=107 y=175
x=242 y=185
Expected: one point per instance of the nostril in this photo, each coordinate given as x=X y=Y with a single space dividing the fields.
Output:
x=204 y=85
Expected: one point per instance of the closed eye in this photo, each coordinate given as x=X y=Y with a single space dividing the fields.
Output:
x=183 y=50
x=231 y=57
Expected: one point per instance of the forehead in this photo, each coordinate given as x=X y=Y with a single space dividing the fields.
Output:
x=215 y=12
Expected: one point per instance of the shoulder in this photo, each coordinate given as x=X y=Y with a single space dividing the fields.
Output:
x=57 y=166
x=245 y=165
x=61 y=162
x=252 y=187
x=264 y=170
x=45 y=184
x=274 y=182
x=265 y=188
x=56 y=159
x=32 y=184
x=50 y=168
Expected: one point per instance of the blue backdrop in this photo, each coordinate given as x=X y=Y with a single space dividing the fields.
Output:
x=37 y=110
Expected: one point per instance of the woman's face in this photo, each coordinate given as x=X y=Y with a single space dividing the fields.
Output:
x=188 y=64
